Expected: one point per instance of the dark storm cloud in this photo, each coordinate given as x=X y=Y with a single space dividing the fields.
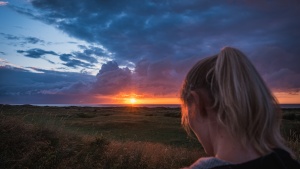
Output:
x=70 y=61
x=86 y=58
x=95 y=51
x=108 y=67
x=65 y=57
x=163 y=77
x=89 y=55
x=75 y=63
x=36 y=53
x=18 y=85
x=164 y=38
x=111 y=79
x=153 y=79
x=280 y=68
x=135 y=29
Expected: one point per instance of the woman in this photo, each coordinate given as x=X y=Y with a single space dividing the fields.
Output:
x=233 y=114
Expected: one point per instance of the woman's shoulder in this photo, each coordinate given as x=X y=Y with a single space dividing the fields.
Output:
x=207 y=163
x=278 y=159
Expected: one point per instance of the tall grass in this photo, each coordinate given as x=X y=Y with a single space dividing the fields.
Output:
x=30 y=146
x=33 y=139
x=293 y=142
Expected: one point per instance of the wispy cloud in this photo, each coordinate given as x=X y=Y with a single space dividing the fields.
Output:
x=4 y=64
x=85 y=59
x=9 y=36
x=36 y=53
x=72 y=62
x=33 y=85
x=3 y=3
x=23 y=40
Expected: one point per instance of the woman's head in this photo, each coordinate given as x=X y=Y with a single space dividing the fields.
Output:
x=243 y=104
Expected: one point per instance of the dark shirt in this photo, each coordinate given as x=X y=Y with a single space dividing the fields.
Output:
x=278 y=159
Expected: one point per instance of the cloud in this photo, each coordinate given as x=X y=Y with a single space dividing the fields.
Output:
x=49 y=61
x=36 y=53
x=284 y=80
x=151 y=79
x=160 y=78
x=18 y=85
x=135 y=30
x=9 y=36
x=3 y=3
x=23 y=40
x=108 y=67
x=272 y=58
x=74 y=63
x=112 y=80
x=7 y=65
x=279 y=68
x=34 y=40
x=86 y=58
x=162 y=40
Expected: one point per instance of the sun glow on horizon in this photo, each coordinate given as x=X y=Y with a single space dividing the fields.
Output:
x=135 y=99
x=143 y=99
x=132 y=100
x=287 y=98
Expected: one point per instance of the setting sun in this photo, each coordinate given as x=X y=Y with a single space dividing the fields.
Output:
x=142 y=99
x=132 y=100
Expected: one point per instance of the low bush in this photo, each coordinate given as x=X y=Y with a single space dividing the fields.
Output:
x=289 y=116
x=172 y=114
x=85 y=115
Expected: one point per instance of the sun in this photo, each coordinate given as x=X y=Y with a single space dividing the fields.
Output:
x=132 y=100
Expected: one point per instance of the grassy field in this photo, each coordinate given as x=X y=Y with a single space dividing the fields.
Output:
x=105 y=137
x=158 y=125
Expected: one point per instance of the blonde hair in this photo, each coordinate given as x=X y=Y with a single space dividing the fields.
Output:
x=244 y=104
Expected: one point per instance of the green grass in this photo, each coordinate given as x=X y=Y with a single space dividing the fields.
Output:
x=27 y=145
x=107 y=137
x=157 y=125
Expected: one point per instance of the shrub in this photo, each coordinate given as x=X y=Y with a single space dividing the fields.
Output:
x=175 y=115
x=85 y=115
x=289 y=116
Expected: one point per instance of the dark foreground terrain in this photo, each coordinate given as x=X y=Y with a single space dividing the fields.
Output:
x=105 y=137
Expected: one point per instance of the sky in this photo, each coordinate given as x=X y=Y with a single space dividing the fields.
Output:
x=108 y=52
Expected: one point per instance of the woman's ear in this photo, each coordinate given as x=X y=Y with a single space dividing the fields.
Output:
x=199 y=103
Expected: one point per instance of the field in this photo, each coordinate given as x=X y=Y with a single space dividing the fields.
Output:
x=105 y=137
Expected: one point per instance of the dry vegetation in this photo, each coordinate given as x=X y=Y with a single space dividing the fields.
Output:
x=28 y=146
x=84 y=137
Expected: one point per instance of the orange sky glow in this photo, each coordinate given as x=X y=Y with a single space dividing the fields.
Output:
x=282 y=97
x=142 y=99
x=287 y=98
